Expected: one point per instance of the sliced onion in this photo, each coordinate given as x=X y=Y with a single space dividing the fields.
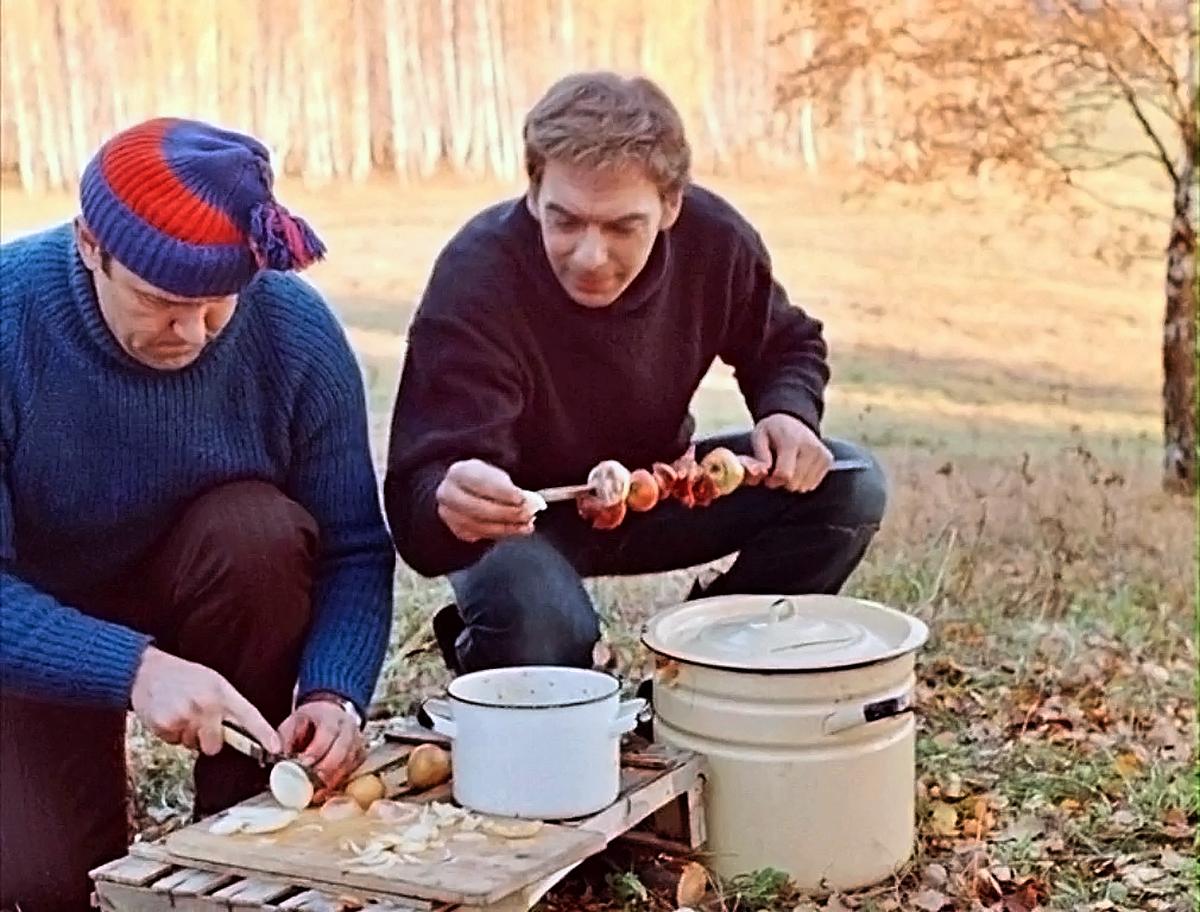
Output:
x=290 y=785
x=340 y=808
x=512 y=828
x=390 y=811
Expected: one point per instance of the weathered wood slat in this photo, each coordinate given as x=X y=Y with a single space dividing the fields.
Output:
x=191 y=882
x=131 y=870
x=253 y=891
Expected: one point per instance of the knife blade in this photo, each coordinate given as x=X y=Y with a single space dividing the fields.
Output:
x=245 y=743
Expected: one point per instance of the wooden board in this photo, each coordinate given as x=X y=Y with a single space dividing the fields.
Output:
x=309 y=852
x=195 y=870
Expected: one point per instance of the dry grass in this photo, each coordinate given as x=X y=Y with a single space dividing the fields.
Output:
x=1009 y=379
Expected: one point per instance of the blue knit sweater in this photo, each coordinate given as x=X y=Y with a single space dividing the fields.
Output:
x=99 y=453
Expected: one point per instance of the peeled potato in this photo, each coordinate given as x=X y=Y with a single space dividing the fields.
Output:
x=365 y=790
x=428 y=765
x=340 y=808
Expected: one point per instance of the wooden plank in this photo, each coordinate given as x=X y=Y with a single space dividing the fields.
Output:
x=477 y=873
x=114 y=896
x=408 y=730
x=526 y=898
x=683 y=819
x=635 y=806
x=253 y=891
x=130 y=870
x=697 y=824
x=315 y=901
x=191 y=882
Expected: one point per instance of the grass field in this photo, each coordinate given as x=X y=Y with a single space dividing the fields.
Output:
x=1009 y=379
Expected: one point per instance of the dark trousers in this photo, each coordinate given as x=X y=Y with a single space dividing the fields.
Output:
x=523 y=602
x=228 y=588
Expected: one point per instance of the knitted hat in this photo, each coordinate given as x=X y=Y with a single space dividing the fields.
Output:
x=188 y=208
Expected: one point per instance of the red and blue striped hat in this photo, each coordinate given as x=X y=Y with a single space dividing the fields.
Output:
x=189 y=208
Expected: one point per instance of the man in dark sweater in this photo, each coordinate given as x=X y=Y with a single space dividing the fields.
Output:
x=575 y=325
x=189 y=520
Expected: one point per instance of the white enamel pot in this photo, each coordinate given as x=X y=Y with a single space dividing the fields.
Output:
x=802 y=707
x=536 y=741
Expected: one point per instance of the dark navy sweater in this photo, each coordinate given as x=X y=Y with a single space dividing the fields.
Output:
x=503 y=366
x=98 y=455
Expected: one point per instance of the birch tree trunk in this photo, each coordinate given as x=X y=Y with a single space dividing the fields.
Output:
x=1179 y=335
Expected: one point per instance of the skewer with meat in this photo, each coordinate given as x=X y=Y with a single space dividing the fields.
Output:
x=692 y=483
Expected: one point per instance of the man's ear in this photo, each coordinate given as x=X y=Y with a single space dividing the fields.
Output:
x=531 y=201
x=672 y=203
x=89 y=247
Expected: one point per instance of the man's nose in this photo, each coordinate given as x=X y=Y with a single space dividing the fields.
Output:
x=592 y=253
x=190 y=328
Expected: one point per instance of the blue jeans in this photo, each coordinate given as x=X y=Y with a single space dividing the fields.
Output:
x=523 y=602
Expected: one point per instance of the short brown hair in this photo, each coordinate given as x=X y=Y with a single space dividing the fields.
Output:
x=603 y=119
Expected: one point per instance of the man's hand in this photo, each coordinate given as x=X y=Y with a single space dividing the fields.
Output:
x=185 y=703
x=478 y=501
x=331 y=743
x=799 y=459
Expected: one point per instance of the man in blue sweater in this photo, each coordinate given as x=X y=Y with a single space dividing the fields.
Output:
x=189 y=519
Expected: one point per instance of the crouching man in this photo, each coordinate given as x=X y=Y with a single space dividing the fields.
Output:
x=189 y=520
x=574 y=325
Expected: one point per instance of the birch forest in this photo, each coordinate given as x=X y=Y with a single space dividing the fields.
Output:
x=413 y=87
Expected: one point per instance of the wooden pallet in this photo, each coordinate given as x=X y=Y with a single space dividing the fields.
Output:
x=660 y=787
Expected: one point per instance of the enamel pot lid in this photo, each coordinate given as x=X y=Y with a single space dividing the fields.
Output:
x=796 y=633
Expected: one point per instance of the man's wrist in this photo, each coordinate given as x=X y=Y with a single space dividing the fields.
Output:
x=328 y=696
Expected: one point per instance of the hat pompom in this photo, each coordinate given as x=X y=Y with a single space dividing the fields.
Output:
x=281 y=240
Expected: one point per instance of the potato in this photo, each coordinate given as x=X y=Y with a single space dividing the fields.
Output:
x=365 y=790
x=428 y=765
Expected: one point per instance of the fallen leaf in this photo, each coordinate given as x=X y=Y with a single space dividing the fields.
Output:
x=931 y=901
x=953 y=787
x=1026 y=897
x=987 y=888
x=1124 y=819
x=1140 y=876
x=1028 y=827
x=1172 y=860
x=835 y=904
x=935 y=875
x=945 y=739
x=1127 y=765
x=943 y=819
x=1176 y=824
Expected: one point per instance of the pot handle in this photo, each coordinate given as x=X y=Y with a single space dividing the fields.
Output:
x=440 y=713
x=627 y=716
x=847 y=717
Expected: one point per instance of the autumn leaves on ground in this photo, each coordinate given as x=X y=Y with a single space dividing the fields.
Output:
x=1009 y=379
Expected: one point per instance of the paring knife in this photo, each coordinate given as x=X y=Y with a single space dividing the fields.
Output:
x=245 y=743
x=570 y=492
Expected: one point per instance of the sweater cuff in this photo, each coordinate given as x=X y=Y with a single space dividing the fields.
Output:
x=115 y=654
x=430 y=547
